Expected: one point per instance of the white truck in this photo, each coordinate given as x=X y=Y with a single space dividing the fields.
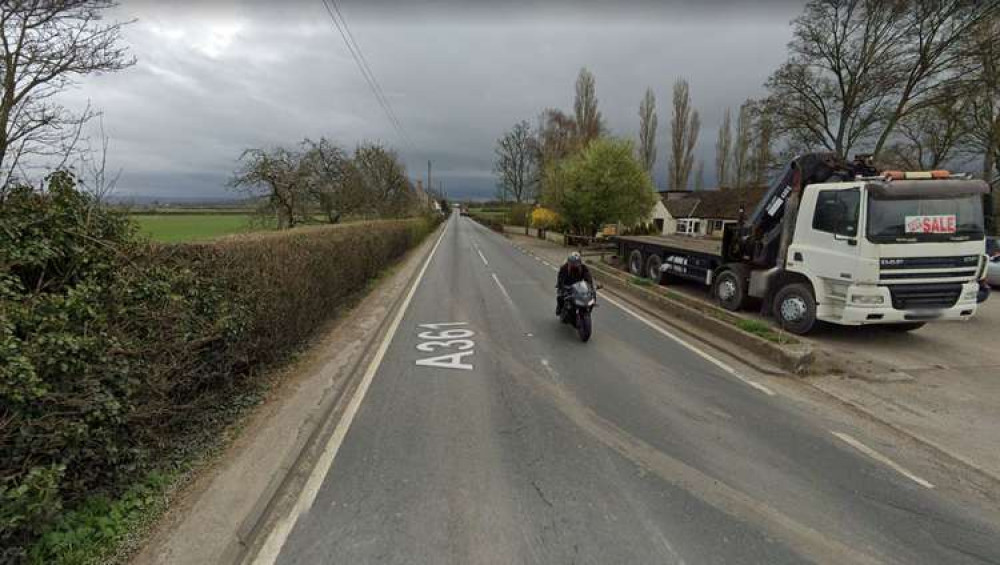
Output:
x=841 y=243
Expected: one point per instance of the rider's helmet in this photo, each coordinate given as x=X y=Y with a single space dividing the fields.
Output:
x=574 y=259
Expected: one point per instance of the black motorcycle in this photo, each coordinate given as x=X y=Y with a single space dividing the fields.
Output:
x=579 y=300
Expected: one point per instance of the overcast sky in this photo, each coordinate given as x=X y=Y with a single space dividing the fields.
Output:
x=214 y=78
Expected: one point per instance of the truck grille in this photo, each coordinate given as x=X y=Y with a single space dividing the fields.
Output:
x=924 y=296
x=908 y=268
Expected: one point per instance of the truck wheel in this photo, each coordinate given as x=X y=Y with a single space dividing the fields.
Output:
x=653 y=268
x=908 y=327
x=795 y=308
x=730 y=291
x=635 y=263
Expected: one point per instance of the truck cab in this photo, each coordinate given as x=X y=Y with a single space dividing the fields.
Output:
x=901 y=249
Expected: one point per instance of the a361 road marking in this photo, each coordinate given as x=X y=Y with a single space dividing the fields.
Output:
x=440 y=339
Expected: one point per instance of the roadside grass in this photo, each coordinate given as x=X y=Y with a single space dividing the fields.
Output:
x=179 y=227
x=764 y=330
x=640 y=281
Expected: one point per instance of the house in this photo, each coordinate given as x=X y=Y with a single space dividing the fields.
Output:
x=705 y=212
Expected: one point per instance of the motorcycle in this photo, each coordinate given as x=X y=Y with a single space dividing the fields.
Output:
x=578 y=302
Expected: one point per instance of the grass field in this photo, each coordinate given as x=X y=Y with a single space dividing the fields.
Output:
x=176 y=227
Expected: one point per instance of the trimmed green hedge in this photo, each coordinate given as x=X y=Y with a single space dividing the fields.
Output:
x=115 y=352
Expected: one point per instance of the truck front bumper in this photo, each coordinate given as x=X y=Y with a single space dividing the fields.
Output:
x=862 y=309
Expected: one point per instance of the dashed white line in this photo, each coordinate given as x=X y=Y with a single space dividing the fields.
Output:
x=502 y=289
x=881 y=458
x=483 y=257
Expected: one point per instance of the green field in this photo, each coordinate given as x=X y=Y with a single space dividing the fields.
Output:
x=176 y=227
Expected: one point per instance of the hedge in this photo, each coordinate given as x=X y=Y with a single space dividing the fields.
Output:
x=117 y=353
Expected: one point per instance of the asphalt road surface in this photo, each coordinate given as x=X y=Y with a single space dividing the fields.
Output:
x=490 y=434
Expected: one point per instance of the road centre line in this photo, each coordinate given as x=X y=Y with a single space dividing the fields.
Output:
x=881 y=458
x=279 y=535
x=483 y=257
x=502 y=289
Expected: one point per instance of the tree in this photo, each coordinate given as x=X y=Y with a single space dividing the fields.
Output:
x=45 y=46
x=741 y=146
x=699 y=176
x=383 y=180
x=515 y=163
x=762 y=141
x=981 y=91
x=278 y=171
x=723 y=146
x=331 y=180
x=589 y=124
x=647 y=131
x=684 y=128
x=603 y=183
x=928 y=138
x=857 y=67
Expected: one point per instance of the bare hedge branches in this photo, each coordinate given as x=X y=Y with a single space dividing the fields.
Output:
x=45 y=46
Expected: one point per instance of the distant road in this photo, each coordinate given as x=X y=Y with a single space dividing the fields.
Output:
x=490 y=434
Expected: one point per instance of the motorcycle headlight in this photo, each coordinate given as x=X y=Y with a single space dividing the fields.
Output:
x=867 y=299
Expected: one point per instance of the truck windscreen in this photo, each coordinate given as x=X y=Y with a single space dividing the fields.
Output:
x=914 y=220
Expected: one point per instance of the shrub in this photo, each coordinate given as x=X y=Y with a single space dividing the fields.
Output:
x=544 y=219
x=115 y=352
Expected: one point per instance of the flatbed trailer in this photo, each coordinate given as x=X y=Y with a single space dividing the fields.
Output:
x=695 y=259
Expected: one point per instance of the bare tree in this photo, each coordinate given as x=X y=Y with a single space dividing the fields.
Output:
x=383 y=179
x=332 y=180
x=857 y=67
x=589 y=124
x=723 y=146
x=684 y=128
x=741 y=145
x=699 y=176
x=647 y=131
x=928 y=138
x=762 y=141
x=45 y=45
x=278 y=171
x=515 y=163
x=934 y=33
x=556 y=136
x=96 y=178
x=981 y=91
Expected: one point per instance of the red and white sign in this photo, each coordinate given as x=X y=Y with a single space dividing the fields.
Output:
x=931 y=224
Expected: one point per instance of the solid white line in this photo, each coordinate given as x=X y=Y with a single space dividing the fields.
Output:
x=502 y=289
x=483 y=257
x=279 y=535
x=881 y=458
x=702 y=353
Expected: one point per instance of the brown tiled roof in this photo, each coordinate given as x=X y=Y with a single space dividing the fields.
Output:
x=720 y=204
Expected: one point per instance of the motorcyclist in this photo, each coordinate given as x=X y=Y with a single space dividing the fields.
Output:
x=572 y=272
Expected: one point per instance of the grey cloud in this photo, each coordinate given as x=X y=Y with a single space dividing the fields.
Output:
x=214 y=79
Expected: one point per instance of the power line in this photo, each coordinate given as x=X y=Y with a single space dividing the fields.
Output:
x=337 y=17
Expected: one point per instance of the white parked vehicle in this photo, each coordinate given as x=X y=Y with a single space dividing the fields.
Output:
x=844 y=244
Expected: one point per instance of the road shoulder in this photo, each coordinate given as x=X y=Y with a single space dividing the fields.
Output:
x=220 y=510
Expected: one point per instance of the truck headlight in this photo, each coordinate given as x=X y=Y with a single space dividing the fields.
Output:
x=867 y=299
x=970 y=295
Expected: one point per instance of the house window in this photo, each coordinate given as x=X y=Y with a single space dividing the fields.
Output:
x=688 y=226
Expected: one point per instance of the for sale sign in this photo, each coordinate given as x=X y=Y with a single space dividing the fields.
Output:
x=931 y=224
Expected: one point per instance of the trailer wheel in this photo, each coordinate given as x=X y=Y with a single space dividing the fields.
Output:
x=635 y=263
x=653 y=268
x=730 y=291
x=795 y=308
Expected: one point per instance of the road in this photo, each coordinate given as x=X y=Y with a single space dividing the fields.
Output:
x=488 y=433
